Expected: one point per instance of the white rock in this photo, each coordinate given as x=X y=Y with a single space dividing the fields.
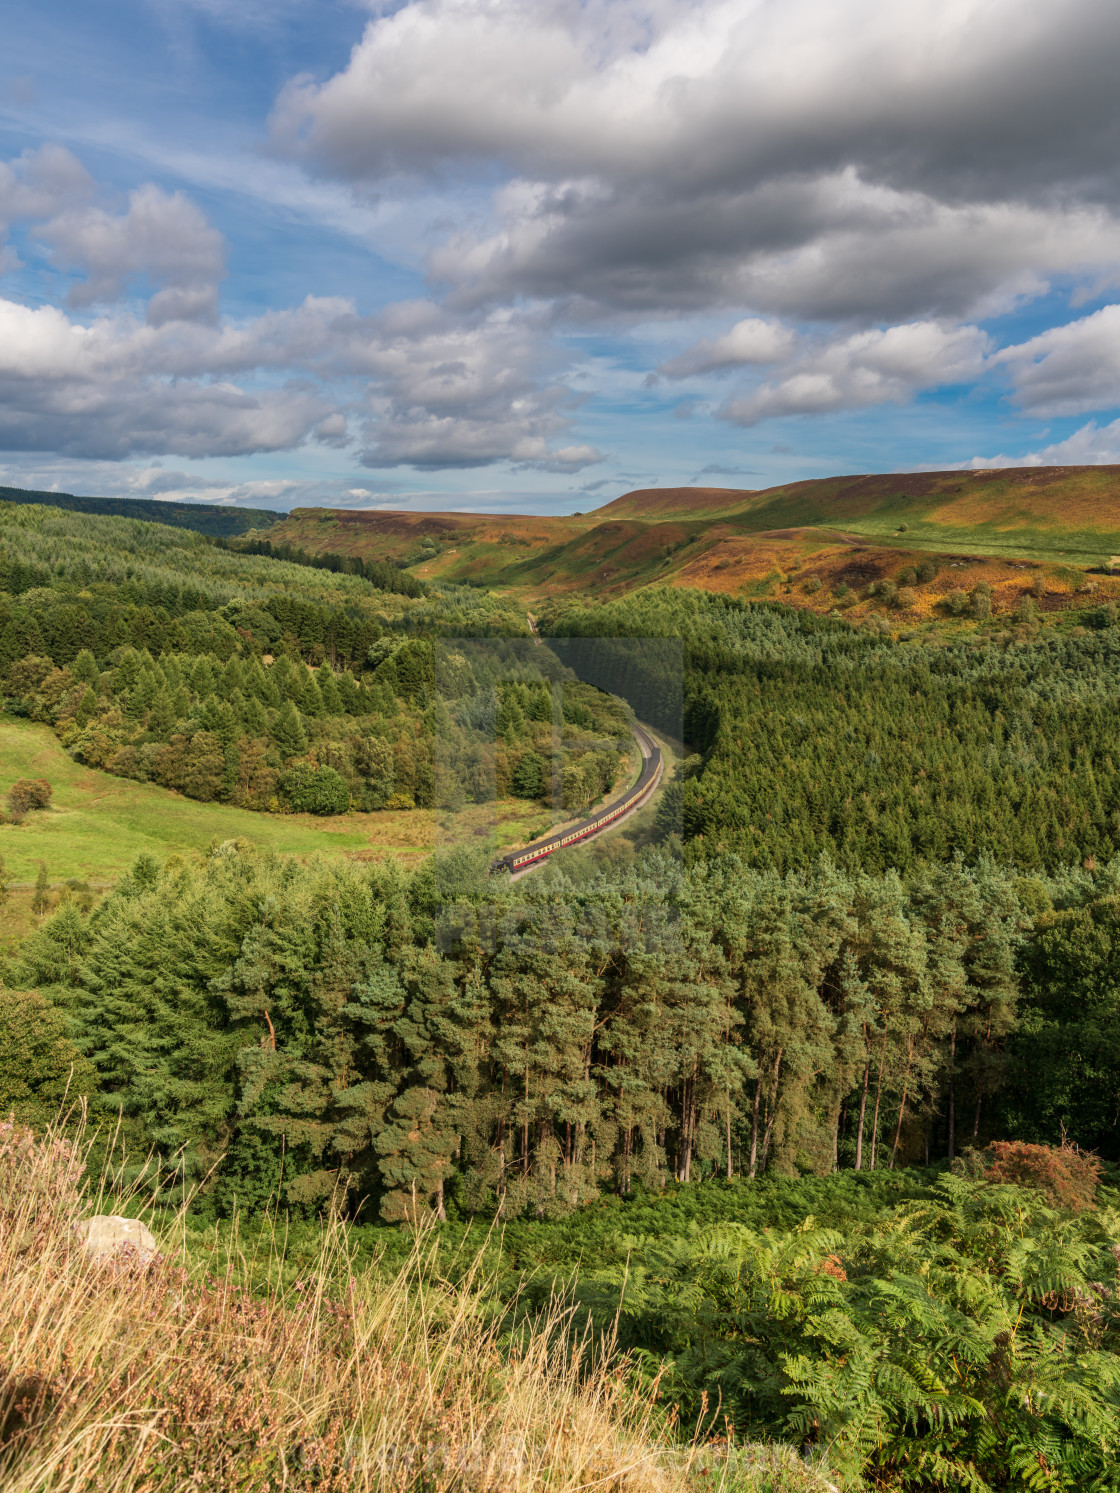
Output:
x=107 y=1235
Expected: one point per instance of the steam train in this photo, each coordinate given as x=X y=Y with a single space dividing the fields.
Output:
x=539 y=850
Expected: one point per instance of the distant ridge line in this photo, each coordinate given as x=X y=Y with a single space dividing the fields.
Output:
x=217 y=519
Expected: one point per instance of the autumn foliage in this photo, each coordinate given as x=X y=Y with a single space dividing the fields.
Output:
x=1066 y=1174
x=26 y=794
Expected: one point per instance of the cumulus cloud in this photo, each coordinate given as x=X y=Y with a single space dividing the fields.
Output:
x=749 y=341
x=869 y=161
x=36 y=185
x=1068 y=369
x=718 y=91
x=429 y=388
x=42 y=182
x=463 y=391
x=162 y=237
x=1092 y=445
x=868 y=368
x=103 y=391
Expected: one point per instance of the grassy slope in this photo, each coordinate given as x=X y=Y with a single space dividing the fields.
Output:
x=846 y=530
x=1058 y=513
x=98 y=824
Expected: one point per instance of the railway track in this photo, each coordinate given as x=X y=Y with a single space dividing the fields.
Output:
x=529 y=856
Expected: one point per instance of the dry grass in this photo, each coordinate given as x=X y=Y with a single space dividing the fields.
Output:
x=116 y=1377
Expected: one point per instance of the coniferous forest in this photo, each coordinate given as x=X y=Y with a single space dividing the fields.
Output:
x=809 y=1079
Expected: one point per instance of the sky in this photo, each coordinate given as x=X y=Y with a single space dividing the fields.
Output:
x=523 y=257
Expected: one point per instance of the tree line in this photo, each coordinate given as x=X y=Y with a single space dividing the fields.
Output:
x=248 y=680
x=439 y=1040
x=381 y=573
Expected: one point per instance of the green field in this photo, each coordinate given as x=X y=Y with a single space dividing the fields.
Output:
x=98 y=824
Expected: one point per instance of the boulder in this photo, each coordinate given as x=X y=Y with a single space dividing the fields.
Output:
x=108 y=1237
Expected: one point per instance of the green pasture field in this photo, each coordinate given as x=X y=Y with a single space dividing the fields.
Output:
x=98 y=824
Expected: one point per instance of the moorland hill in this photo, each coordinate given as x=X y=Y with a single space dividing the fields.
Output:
x=816 y=543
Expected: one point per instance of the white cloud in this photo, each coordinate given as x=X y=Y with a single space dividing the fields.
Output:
x=749 y=341
x=462 y=391
x=1092 y=445
x=437 y=389
x=42 y=182
x=718 y=90
x=419 y=383
x=869 y=368
x=1069 y=369
x=162 y=237
x=104 y=391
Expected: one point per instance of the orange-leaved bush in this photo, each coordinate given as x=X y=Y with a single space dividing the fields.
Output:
x=1067 y=1175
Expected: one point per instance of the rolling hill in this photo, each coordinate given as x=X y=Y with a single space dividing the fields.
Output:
x=843 y=532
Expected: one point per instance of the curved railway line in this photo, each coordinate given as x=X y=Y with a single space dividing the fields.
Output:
x=536 y=851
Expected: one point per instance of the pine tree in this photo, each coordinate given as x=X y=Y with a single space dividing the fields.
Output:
x=255 y=717
x=84 y=667
x=328 y=691
x=311 y=699
x=288 y=732
x=416 y=1148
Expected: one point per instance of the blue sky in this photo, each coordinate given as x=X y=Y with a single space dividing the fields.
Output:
x=502 y=255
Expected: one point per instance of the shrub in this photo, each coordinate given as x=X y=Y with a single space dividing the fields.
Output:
x=906 y=597
x=927 y=570
x=27 y=794
x=40 y=1068
x=314 y=790
x=1067 y=1175
x=1027 y=610
x=980 y=601
x=813 y=584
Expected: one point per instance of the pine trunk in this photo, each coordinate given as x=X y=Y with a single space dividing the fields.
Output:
x=952 y=1093
x=754 y=1122
x=902 y=1106
x=878 y=1097
x=862 y=1114
x=773 y=1110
